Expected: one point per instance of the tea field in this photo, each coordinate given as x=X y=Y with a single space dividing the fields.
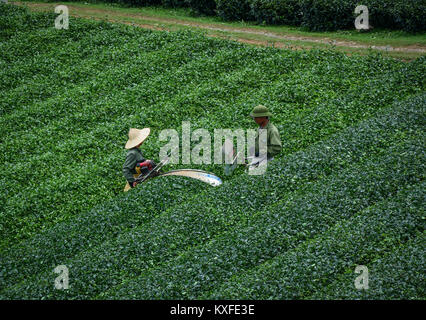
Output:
x=348 y=188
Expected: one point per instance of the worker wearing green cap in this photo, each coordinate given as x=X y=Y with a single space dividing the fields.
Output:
x=260 y=115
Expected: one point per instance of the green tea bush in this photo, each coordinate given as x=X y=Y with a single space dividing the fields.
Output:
x=15 y=19
x=67 y=100
x=272 y=231
x=174 y=3
x=315 y=15
x=165 y=3
x=409 y=15
x=322 y=15
x=312 y=265
x=207 y=7
x=397 y=274
x=277 y=11
x=178 y=228
x=95 y=227
x=234 y=9
x=153 y=75
x=380 y=13
x=325 y=15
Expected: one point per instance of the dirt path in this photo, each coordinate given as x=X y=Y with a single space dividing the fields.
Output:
x=117 y=16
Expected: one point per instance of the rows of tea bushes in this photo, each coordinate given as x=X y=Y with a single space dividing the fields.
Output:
x=321 y=15
x=311 y=266
x=397 y=274
x=68 y=99
x=273 y=230
x=152 y=77
x=110 y=246
x=70 y=237
x=15 y=20
x=88 y=230
x=317 y=15
x=326 y=15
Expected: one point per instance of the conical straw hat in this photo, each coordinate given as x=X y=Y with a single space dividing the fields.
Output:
x=136 y=137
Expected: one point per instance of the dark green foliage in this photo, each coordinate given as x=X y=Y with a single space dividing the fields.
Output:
x=207 y=7
x=327 y=15
x=409 y=15
x=315 y=15
x=15 y=19
x=174 y=3
x=323 y=15
x=294 y=182
x=67 y=99
x=234 y=9
x=398 y=274
x=277 y=11
x=311 y=266
x=380 y=13
x=94 y=227
x=97 y=79
x=141 y=3
x=300 y=215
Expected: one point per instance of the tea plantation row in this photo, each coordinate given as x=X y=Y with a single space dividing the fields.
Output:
x=194 y=246
x=395 y=275
x=298 y=273
x=319 y=15
x=103 y=223
x=352 y=131
x=69 y=97
x=270 y=231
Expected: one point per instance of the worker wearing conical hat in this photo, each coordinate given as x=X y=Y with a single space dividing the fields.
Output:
x=260 y=115
x=135 y=163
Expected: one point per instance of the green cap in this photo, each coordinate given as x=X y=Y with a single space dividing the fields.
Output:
x=260 y=111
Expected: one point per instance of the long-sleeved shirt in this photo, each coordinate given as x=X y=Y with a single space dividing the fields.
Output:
x=274 y=145
x=133 y=157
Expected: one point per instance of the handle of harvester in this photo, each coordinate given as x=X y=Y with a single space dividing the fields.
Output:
x=157 y=168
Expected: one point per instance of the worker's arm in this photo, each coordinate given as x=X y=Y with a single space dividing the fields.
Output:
x=128 y=166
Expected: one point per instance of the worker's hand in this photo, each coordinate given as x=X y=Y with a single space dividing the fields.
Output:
x=135 y=184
